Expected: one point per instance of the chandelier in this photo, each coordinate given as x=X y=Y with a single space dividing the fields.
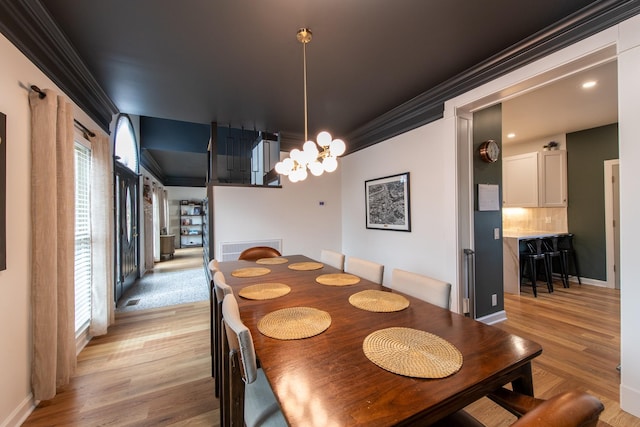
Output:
x=317 y=157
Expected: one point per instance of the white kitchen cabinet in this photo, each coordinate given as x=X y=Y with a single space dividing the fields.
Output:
x=552 y=179
x=536 y=179
x=520 y=180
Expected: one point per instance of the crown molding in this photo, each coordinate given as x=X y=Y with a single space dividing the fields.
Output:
x=148 y=162
x=429 y=105
x=30 y=27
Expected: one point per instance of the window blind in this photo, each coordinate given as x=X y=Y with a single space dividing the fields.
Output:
x=82 y=238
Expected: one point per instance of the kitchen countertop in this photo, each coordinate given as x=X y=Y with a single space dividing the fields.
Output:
x=525 y=234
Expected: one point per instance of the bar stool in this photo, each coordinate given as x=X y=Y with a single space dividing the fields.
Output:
x=565 y=244
x=531 y=256
x=551 y=252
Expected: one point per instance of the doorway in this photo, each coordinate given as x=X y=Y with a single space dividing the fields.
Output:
x=612 y=221
x=519 y=92
x=127 y=241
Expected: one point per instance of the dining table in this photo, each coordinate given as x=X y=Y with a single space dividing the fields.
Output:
x=327 y=379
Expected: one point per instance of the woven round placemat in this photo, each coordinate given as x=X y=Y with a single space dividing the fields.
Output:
x=305 y=266
x=294 y=323
x=272 y=261
x=378 y=301
x=337 y=279
x=412 y=353
x=250 y=272
x=264 y=291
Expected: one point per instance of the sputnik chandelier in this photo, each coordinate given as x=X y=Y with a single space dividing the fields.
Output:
x=318 y=157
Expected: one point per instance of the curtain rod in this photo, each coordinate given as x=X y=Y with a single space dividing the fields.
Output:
x=82 y=127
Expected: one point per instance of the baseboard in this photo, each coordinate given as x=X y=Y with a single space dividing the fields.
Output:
x=490 y=319
x=20 y=414
x=630 y=400
x=589 y=281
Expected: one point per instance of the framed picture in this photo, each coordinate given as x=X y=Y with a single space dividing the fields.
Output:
x=387 y=203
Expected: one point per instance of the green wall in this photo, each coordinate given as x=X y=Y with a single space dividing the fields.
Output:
x=586 y=152
x=487 y=124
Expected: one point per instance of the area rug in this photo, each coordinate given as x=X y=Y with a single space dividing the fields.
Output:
x=163 y=289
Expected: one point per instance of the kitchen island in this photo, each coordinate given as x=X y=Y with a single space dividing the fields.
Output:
x=511 y=255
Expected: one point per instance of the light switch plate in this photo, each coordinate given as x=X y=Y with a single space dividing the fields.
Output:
x=496 y=234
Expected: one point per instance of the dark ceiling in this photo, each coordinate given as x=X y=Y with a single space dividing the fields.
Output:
x=238 y=63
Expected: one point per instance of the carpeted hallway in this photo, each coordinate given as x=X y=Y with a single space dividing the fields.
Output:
x=174 y=281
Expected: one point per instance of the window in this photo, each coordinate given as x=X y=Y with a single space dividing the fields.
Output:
x=83 y=237
x=126 y=147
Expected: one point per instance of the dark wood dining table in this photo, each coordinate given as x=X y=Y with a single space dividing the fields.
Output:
x=327 y=380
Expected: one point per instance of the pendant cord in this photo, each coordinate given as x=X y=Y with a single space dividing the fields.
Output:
x=304 y=59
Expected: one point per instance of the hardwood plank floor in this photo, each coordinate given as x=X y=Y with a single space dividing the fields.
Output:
x=153 y=368
x=579 y=330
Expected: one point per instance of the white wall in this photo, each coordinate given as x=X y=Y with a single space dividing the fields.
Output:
x=17 y=73
x=430 y=247
x=629 y=128
x=292 y=213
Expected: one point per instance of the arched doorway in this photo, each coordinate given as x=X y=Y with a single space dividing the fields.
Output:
x=126 y=206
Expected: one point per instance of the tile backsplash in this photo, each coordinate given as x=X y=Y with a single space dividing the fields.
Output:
x=535 y=219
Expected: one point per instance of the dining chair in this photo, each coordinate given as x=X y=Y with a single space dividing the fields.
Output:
x=213 y=268
x=332 y=258
x=220 y=289
x=426 y=288
x=569 y=409
x=251 y=401
x=257 y=252
x=366 y=269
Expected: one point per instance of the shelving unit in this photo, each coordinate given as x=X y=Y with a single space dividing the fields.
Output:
x=191 y=223
x=207 y=252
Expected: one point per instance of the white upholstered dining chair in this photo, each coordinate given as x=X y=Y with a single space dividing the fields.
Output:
x=220 y=289
x=332 y=258
x=213 y=268
x=251 y=400
x=426 y=288
x=366 y=269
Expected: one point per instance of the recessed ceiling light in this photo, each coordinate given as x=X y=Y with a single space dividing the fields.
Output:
x=511 y=135
x=589 y=84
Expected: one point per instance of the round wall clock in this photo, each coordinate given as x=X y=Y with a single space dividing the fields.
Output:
x=489 y=151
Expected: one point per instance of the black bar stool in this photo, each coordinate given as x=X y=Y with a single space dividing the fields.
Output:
x=551 y=252
x=565 y=244
x=532 y=255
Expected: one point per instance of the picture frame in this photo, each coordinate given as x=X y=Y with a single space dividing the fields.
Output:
x=387 y=203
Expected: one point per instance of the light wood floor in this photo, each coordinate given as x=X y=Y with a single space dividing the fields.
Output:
x=153 y=368
x=579 y=330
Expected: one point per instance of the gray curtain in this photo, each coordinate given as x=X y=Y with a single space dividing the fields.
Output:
x=53 y=243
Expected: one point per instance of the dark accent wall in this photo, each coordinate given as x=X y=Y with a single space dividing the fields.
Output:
x=586 y=152
x=173 y=135
x=487 y=124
